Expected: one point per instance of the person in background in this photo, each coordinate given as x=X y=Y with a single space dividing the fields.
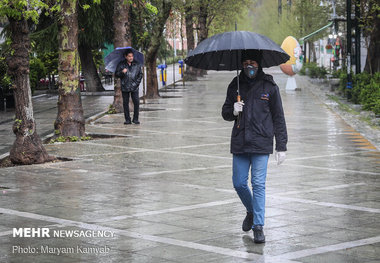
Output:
x=129 y=71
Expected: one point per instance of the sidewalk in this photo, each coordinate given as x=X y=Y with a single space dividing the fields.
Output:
x=164 y=189
x=45 y=109
x=355 y=118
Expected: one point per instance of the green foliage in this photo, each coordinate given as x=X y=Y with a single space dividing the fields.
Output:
x=22 y=9
x=85 y=138
x=50 y=60
x=300 y=18
x=45 y=36
x=367 y=89
x=151 y=8
x=98 y=58
x=37 y=72
x=263 y=15
x=223 y=14
x=336 y=74
x=111 y=109
x=142 y=21
x=70 y=139
x=5 y=80
x=95 y=23
x=17 y=123
x=313 y=70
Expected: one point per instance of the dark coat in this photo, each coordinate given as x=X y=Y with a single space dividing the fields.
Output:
x=130 y=81
x=262 y=116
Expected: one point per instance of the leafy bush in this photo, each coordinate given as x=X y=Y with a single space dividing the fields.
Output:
x=343 y=82
x=5 y=80
x=359 y=82
x=313 y=71
x=69 y=139
x=37 y=72
x=365 y=90
x=303 y=70
x=336 y=73
x=111 y=109
x=369 y=91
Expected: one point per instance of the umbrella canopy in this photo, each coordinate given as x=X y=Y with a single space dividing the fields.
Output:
x=112 y=59
x=224 y=51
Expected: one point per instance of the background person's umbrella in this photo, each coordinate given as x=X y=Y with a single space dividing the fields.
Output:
x=112 y=59
x=223 y=51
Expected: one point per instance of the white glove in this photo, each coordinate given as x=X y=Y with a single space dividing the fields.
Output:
x=238 y=107
x=280 y=157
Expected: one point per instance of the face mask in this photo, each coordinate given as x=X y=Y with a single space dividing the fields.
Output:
x=250 y=71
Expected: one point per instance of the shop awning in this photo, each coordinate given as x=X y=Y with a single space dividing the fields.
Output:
x=302 y=39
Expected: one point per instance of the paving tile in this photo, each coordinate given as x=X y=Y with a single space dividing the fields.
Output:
x=166 y=185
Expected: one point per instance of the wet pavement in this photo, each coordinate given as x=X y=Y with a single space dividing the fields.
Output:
x=163 y=189
x=45 y=108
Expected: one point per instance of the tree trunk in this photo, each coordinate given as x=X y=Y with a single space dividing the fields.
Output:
x=27 y=148
x=91 y=76
x=151 y=55
x=190 y=73
x=203 y=30
x=372 y=63
x=70 y=119
x=151 y=80
x=122 y=39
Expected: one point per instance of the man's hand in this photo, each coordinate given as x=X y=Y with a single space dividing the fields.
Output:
x=125 y=70
x=238 y=107
x=280 y=157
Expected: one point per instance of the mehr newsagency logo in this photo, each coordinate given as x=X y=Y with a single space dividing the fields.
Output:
x=60 y=233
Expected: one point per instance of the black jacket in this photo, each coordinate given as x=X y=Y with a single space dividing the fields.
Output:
x=130 y=81
x=262 y=116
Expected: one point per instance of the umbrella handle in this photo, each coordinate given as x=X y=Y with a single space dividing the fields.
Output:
x=238 y=120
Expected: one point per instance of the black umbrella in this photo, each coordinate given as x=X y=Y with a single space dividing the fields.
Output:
x=223 y=51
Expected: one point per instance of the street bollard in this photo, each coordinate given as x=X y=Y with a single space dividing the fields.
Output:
x=181 y=70
x=163 y=76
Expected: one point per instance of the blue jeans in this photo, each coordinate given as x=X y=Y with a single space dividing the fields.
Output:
x=253 y=203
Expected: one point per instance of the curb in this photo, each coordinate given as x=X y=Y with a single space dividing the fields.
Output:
x=321 y=92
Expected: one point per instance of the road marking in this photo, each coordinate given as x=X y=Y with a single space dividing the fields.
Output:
x=195 y=146
x=326 y=156
x=162 y=132
x=313 y=202
x=330 y=248
x=161 y=151
x=186 y=170
x=6 y=233
x=164 y=240
x=229 y=201
x=332 y=187
x=287 y=257
x=168 y=210
x=331 y=169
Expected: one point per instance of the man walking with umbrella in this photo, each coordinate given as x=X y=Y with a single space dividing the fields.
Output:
x=129 y=71
x=253 y=102
x=258 y=118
